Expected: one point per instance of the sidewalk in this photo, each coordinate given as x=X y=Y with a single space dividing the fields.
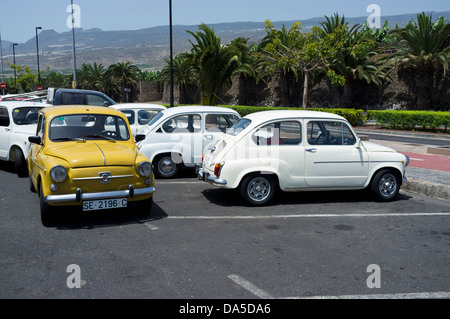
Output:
x=428 y=173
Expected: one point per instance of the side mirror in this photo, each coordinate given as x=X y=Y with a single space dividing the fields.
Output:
x=139 y=137
x=35 y=139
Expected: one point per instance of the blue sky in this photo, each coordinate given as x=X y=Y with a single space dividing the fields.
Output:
x=18 y=18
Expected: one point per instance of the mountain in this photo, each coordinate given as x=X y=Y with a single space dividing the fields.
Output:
x=145 y=47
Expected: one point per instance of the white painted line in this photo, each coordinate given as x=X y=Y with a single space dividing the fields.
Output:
x=152 y=227
x=250 y=287
x=311 y=216
x=414 y=295
x=165 y=183
x=416 y=159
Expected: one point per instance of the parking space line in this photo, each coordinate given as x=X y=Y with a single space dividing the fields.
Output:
x=310 y=216
x=151 y=226
x=250 y=287
x=414 y=295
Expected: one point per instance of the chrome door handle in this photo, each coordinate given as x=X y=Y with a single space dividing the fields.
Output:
x=311 y=150
x=209 y=136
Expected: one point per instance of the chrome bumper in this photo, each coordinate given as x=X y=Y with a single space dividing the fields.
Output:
x=79 y=196
x=206 y=177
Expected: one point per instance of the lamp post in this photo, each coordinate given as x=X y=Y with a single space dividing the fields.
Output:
x=74 y=83
x=14 y=62
x=37 y=54
x=171 y=54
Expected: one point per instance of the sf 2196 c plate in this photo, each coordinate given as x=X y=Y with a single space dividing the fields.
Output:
x=104 y=204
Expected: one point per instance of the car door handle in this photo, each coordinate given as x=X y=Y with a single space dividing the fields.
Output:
x=7 y=129
x=209 y=136
x=311 y=150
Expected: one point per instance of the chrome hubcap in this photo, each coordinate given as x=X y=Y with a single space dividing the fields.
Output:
x=258 y=189
x=166 y=166
x=388 y=185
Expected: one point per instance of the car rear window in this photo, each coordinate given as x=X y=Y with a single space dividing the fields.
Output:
x=239 y=127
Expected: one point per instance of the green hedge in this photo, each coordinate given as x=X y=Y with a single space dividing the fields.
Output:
x=354 y=116
x=409 y=120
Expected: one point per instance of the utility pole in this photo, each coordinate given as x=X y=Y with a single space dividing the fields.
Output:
x=171 y=55
x=74 y=83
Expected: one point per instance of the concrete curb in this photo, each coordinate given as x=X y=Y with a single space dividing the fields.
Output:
x=429 y=189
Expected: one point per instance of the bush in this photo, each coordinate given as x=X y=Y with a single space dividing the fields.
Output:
x=409 y=120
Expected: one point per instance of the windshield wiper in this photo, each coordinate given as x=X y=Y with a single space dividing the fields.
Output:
x=68 y=139
x=100 y=136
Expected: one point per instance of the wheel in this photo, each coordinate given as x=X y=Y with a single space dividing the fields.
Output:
x=258 y=190
x=166 y=167
x=20 y=163
x=47 y=211
x=144 y=207
x=385 y=185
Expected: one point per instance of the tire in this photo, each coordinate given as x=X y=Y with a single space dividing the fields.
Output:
x=20 y=163
x=48 y=215
x=258 y=190
x=166 y=167
x=144 y=207
x=385 y=185
x=30 y=185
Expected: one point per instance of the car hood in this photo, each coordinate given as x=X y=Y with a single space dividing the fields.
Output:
x=373 y=147
x=92 y=154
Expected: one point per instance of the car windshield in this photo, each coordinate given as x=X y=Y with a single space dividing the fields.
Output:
x=239 y=127
x=26 y=115
x=84 y=127
x=155 y=119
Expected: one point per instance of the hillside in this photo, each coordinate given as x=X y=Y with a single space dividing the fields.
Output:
x=145 y=47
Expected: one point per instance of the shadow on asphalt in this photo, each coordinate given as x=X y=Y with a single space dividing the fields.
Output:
x=230 y=198
x=74 y=218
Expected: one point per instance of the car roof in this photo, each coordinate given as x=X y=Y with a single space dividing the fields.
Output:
x=14 y=104
x=129 y=106
x=263 y=116
x=80 y=109
x=198 y=108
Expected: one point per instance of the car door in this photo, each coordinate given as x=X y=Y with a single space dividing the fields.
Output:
x=184 y=135
x=280 y=149
x=5 y=129
x=215 y=124
x=333 y=157
x=35 y=149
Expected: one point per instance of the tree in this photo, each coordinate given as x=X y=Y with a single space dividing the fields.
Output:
x=421 y=47
x=215 y=63
x=91 y=77
x=303 y=53
x=126 y=74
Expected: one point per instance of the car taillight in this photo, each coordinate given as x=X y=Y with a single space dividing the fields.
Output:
x=218 y=168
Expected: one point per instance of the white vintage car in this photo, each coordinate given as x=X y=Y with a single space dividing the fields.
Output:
x=300 y=151
x=138 y=114
x=18 y=120
x=180 y=135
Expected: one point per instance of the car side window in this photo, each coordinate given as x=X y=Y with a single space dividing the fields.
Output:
x=4 y=117
x=92 y=99
x=145 y=116
x=130 y=116
x=279 y=133
x=219 y=122
x=69 y=98
x=41 y=127
x=329 y=133
x=183 y=124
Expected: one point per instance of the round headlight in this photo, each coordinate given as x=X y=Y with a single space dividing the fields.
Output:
x=144 y=169
x=58 y=173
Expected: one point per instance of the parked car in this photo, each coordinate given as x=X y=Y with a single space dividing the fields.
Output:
x=86 y=156
x=139 y=114
x=179 y=136
x=62 y=96
x=18 y=120
x=300 y=151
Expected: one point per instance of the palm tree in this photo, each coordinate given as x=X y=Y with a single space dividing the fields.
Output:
x=183 y=74
x=215 y=63
x=91 y=76
x=126 y=74
x=421 y=48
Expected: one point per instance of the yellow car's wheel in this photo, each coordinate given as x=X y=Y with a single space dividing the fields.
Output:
x=47 y=211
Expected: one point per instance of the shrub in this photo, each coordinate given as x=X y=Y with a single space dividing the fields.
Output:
x=409 y=120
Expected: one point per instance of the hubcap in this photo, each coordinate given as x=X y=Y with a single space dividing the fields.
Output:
x=388 y=185
x=166 y=166
x=258 y=189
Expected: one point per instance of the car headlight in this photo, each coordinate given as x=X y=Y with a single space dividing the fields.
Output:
x=144 y=169
x=58 y=173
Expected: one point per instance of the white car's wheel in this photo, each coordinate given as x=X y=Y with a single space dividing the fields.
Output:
x=20 y=163
x=385 y=185
x=258 y=190
x=166 y=167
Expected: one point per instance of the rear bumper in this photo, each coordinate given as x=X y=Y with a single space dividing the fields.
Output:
x=206 y=177
x=79 y=196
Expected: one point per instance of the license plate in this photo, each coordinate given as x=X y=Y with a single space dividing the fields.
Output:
x=104 y=204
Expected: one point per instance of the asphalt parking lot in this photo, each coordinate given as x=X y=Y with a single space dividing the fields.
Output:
x=201 y=242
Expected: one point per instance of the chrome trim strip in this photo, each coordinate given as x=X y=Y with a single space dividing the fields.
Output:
x=100 y=195
x=45 y=171
x=96 y=178
x=104 y=157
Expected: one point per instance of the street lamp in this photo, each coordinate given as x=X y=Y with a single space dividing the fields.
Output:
x=74 y=82
x=171 y=54
x=14 y=62
x=37 y=54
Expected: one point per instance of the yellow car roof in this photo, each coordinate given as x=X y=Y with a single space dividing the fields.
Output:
x=80 y=109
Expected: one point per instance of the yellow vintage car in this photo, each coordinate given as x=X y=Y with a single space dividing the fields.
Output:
x=86 y=156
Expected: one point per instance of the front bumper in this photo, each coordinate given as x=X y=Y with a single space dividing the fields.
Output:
x=79 y=196
x=206 y=177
